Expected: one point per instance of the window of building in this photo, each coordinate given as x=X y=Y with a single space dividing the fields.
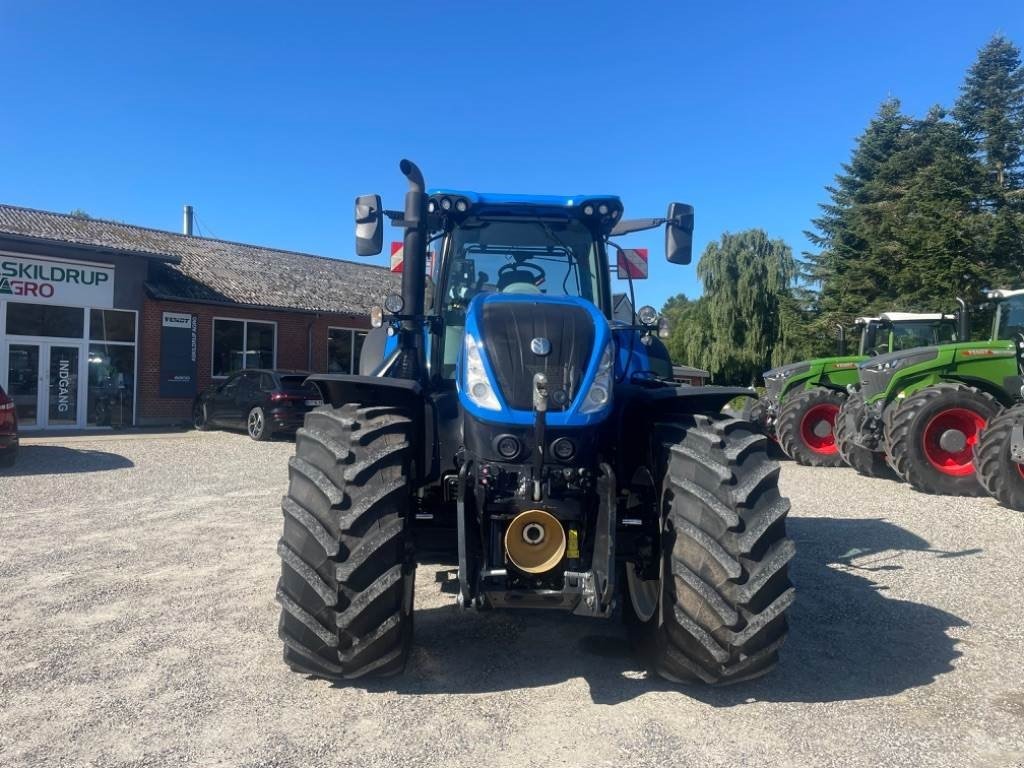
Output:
x=239 y=344
x=111 y=325
x=111 y=390
x=45 y=320
x=111 y=394
x=343 y=348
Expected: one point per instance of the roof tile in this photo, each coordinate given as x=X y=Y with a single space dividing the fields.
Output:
x=217 y=270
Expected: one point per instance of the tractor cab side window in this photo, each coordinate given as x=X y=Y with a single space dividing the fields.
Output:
x=525 y=257
x=922 y=334
x=1010 y=318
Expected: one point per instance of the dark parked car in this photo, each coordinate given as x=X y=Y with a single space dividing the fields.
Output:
x=8 y=430
x=261 y=402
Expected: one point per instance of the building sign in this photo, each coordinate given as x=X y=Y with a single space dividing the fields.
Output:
x=178 y=336
x=56 y=281
x=63 y=385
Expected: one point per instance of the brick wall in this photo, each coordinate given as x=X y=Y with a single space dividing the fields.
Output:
x=295 y=331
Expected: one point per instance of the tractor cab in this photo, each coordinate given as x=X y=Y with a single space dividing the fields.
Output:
x=1008 y=321
x=893 y=331
x=504 y=245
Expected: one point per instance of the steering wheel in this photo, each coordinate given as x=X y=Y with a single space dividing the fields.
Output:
x=524 y=274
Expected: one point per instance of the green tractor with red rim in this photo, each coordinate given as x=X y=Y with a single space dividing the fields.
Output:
x=923 y=410
x=802 y=400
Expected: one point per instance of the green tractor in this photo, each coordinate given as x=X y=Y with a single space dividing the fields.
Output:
x=802 y=400
x=999 y=452
x=923 y=410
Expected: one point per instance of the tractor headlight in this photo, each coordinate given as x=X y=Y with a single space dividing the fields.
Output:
x=647 y=315
x=478 y=384
x=888 y=367
x=788 y=371
x=600 y=392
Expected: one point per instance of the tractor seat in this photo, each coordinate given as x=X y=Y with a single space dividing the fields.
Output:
x=510 y=277
x=521 y=288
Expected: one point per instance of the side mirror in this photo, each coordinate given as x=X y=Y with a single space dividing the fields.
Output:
x=679 y=233
x=664 y=328
x=369 y=231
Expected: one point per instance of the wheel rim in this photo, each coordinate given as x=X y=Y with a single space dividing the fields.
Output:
x=255 y=422
x=644 y=594
x=949 y=440
x=818 y=428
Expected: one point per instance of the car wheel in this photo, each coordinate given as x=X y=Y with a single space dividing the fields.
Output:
x=200 y=417
x=256 y=424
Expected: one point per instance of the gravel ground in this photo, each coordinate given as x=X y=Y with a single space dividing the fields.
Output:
x=138 y=628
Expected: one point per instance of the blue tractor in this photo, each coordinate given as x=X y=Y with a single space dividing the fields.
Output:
x=503 y=422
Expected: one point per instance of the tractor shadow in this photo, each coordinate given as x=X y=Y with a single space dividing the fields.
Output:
x=60 y=460
x=847 y=640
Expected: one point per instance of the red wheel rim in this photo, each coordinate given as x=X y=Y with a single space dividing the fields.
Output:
x=816 y=417
x=957 y=463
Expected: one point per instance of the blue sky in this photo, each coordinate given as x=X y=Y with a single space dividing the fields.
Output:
x=270 y=117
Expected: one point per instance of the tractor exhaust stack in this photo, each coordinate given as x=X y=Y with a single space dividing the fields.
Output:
x=963 y=321
x=414 y=271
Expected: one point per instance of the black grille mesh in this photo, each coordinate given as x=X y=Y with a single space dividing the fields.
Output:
x=509 y=327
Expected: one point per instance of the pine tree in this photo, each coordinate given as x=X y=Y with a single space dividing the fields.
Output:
x=990 y=111
x=852 y=234
x=936 y=225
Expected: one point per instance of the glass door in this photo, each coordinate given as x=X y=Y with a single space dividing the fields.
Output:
x=24 y=382
x=45 y=381
x=62 y=385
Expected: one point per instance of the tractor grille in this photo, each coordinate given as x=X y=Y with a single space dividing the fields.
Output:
x=773 y=387
x=508 y=329
x=873 y=383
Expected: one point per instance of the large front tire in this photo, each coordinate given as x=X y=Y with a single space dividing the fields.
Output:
x=931 y=435
x=806 y=427
x=998 y=474
x=347 y=572
x=864 y=460
x=714 y=609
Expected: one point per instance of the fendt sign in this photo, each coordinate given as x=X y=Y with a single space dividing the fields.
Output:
x=56 y=281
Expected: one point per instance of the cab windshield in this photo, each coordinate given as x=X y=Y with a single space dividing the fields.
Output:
x=525 y=257
x=1010 y=318
x=879 y=338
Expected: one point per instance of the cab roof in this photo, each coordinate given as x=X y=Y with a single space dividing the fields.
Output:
x=895 y=317
x=1005 y=293
x=503 y=199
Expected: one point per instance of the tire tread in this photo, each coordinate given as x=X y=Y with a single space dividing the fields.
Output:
x=346 y=566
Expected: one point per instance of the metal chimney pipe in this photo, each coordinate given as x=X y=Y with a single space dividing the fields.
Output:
x=186 y=221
